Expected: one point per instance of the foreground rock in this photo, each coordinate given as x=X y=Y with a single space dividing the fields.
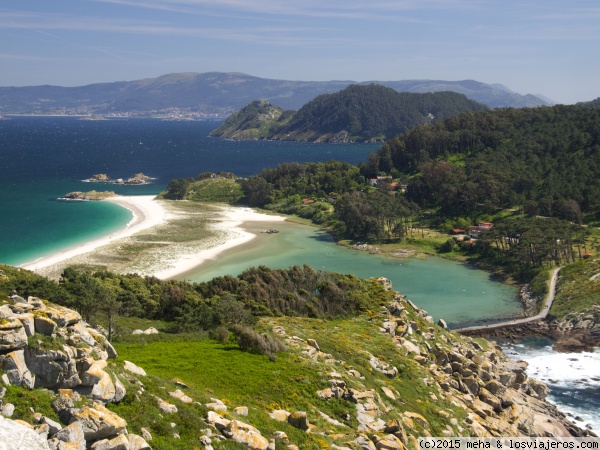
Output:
x=16 y=436
x=49 y=346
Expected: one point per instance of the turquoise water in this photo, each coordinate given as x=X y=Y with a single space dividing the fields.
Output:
x=43 y=158
x=34 y=224
x=446 y=289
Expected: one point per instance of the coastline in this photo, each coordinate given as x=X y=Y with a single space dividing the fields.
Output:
x=222 y=226
x=146 y=213
x=230 y=227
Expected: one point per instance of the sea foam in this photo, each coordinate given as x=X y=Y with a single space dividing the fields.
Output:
x=573 y=379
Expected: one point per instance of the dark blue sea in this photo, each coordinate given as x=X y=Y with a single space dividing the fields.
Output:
x=43 y=158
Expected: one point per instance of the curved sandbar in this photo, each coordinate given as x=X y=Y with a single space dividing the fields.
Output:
x=170 y=258
x=231 y=219
x=146 y=213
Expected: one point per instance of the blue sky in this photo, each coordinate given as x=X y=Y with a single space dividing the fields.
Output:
x=546 y=47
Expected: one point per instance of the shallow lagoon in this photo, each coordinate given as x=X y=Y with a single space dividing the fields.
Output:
x=446 y=289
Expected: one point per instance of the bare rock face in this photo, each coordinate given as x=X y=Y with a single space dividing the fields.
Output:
x=52 y=368
x=48 y=346
x=245 y=434
x=17 y=370
x=131 y=367
x=15 y=436
x=71 y=434
x=137 y=442
x=12 y=334
x=97 y=422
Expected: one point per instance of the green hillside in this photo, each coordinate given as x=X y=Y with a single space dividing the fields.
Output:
x=546 y=159
x=359 y=113
x=356 y=365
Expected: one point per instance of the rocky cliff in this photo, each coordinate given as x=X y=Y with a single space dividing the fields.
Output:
x=577 y=331
x=48 y=347
x=391 y=376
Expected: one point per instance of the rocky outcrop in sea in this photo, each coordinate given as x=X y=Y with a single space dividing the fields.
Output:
x=138 y=178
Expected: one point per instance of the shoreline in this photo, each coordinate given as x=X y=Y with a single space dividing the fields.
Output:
x=230 y=224
x=146 y=213
x=226 y=225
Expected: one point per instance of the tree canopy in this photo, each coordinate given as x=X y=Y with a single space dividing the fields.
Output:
x=546 y=158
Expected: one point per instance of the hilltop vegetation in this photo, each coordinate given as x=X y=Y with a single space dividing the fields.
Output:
x=359 y=113
x=544 y=159
x=591 y=104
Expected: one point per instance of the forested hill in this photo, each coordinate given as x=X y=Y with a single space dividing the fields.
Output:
x=547 y=159
x=591 y=104
x=254 y=121
x=359 y=113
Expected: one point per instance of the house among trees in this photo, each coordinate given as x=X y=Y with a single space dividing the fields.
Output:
x=475 y=231
x=383 y=179
x=307 y=201
x=376 y=182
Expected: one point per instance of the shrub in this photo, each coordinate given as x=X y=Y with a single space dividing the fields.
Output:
x=264 y=344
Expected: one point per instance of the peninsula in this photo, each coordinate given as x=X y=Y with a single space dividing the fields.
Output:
x=359 y=113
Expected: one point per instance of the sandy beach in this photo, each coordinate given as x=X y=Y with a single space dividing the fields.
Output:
x=146 y=213
x=168 y=259
x=229 y=223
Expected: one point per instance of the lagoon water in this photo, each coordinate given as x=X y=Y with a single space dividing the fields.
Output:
x=446 y=289
x=43 y=158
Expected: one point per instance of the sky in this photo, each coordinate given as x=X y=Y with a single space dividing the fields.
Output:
x=542 y=47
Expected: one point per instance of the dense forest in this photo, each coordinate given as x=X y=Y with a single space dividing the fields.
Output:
x=223 y=301
x=374 y=112
x=358 y=113
x=507 y=166
x=546 y=159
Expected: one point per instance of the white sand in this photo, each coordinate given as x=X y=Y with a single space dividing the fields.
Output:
x=230 y=222
x=146 y=212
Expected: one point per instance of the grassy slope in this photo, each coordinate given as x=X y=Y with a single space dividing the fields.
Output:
x=576 y=292
x=222 y=371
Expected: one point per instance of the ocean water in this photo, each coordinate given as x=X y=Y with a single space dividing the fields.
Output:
x=43 y=158
x=573 y=378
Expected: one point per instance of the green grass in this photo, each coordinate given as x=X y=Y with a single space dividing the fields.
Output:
x=24 y=399
x=223 y=371
x=575 y=291
x=219 y=371
x=215 y=190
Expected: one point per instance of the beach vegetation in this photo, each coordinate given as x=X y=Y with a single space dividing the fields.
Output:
x=206 y=187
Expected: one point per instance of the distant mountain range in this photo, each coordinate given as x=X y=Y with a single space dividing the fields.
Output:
x=217 y=94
